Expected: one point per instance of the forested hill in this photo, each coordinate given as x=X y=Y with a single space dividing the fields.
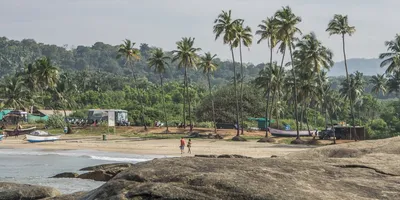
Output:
x=368 y=67
x=102 y=57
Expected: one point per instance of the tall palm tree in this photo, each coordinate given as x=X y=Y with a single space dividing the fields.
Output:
x=268 y=32
x=209 y=66
x=243 y=37
x=159 y=61
x=393 y=83
x=286 y=22
x=224 y=26
x=379 y=83
x=339 y=25
x=391 y=58
x=187 y=57
x=127 y=51
x=46 y=74
x=63 y=93
x=315 y=57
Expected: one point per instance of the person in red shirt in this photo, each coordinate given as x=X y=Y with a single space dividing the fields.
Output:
x=182 y=147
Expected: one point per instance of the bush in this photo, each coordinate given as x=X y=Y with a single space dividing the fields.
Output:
x=80 y=114
x=205 y=125
x=56 y=121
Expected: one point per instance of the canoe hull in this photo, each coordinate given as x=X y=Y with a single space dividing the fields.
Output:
x=34 y=139
x=282 y=133
x=11 y=132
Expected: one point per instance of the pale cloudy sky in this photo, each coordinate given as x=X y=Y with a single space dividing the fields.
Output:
x=163 y=22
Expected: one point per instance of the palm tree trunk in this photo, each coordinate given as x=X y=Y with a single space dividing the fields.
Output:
x=272 y=103
x=241 y=88
x=348 y=82
x=306 y=116
x=212 y=102
x=323 y=99
x=140 y=101
x=301 y=116
x=295 y=91
x=235 y=86
x=189 y=100
x=163 y=99
x=267 y=123
x=184 y=98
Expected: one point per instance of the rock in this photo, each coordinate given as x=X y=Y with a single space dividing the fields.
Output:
x=267 y=139
x=232 y=156
x=206 y=156
x=239 y=139
x=319 y=173
x=107 y=166
x=15 y=191
x=66 y=175
x=73 y=196
x=98 y=175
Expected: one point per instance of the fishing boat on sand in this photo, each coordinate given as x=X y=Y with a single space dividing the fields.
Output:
x=45 y=138
x=13 y=132
x=282 y=133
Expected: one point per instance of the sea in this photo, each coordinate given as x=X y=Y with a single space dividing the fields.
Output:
x=36 y=166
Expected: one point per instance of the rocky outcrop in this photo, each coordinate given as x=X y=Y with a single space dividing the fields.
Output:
x=66 y=175
x=73 y=196
x=107 y=166
x=362 y=170
x=98 y=175
x=15 y=191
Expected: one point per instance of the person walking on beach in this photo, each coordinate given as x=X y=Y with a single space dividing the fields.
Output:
x=182 y=147
x=189 y=145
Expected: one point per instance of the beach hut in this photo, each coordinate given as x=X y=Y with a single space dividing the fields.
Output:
x=261 y=122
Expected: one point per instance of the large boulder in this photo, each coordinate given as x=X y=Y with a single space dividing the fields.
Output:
x=73 y=196
x=98 y=175
x=107 y=166
x=334 y=172
x=103 y=172
x=15 y=191
x=66 y=175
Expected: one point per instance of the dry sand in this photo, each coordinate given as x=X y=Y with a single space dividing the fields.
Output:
x=166 y=147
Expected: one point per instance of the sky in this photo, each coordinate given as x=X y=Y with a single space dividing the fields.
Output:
x=161 y=23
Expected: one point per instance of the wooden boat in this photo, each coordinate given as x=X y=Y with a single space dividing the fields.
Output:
x=282 y=133
x=50 y=138
x=12 y=132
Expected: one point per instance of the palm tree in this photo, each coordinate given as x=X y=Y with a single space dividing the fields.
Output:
x=63 y=93
x=243 y=36
x=225 y=25
x=187 y=57
x=46 y=74
x=127 y=51
x=379 y=83
x=393 y=83
x=286 y=22
x=159 y=61
x=268 y=32
x=391 y=58
x=315 y=57
x=16 y=94
x=208 y=65
x=339 y=25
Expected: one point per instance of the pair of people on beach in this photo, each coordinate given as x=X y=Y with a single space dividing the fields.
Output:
x=182 y=146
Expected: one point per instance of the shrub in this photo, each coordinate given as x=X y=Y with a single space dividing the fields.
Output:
x=56 y=120
x=205 y=125
x=80 y=114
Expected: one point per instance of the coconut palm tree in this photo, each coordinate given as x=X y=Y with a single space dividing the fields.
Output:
x=46 y=74
x=62 y=94
x=187 y=58
x=286 y=22
x=209 y=66
x=392 y=57
x=315 y=57
x=224 y=26
x=159 y=61
x=127 y=51
x=393 y=83
x=267 y=32
x=379 y=83
x=16 y=94
x=339 y=25
x=243 y=37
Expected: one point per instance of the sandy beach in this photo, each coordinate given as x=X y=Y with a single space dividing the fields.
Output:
x=165 y=147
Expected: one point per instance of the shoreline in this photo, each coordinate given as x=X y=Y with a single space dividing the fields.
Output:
x=156 y=147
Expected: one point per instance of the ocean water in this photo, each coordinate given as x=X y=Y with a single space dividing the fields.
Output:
x=33 y=166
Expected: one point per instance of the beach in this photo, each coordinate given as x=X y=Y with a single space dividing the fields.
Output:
x=161 y=147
